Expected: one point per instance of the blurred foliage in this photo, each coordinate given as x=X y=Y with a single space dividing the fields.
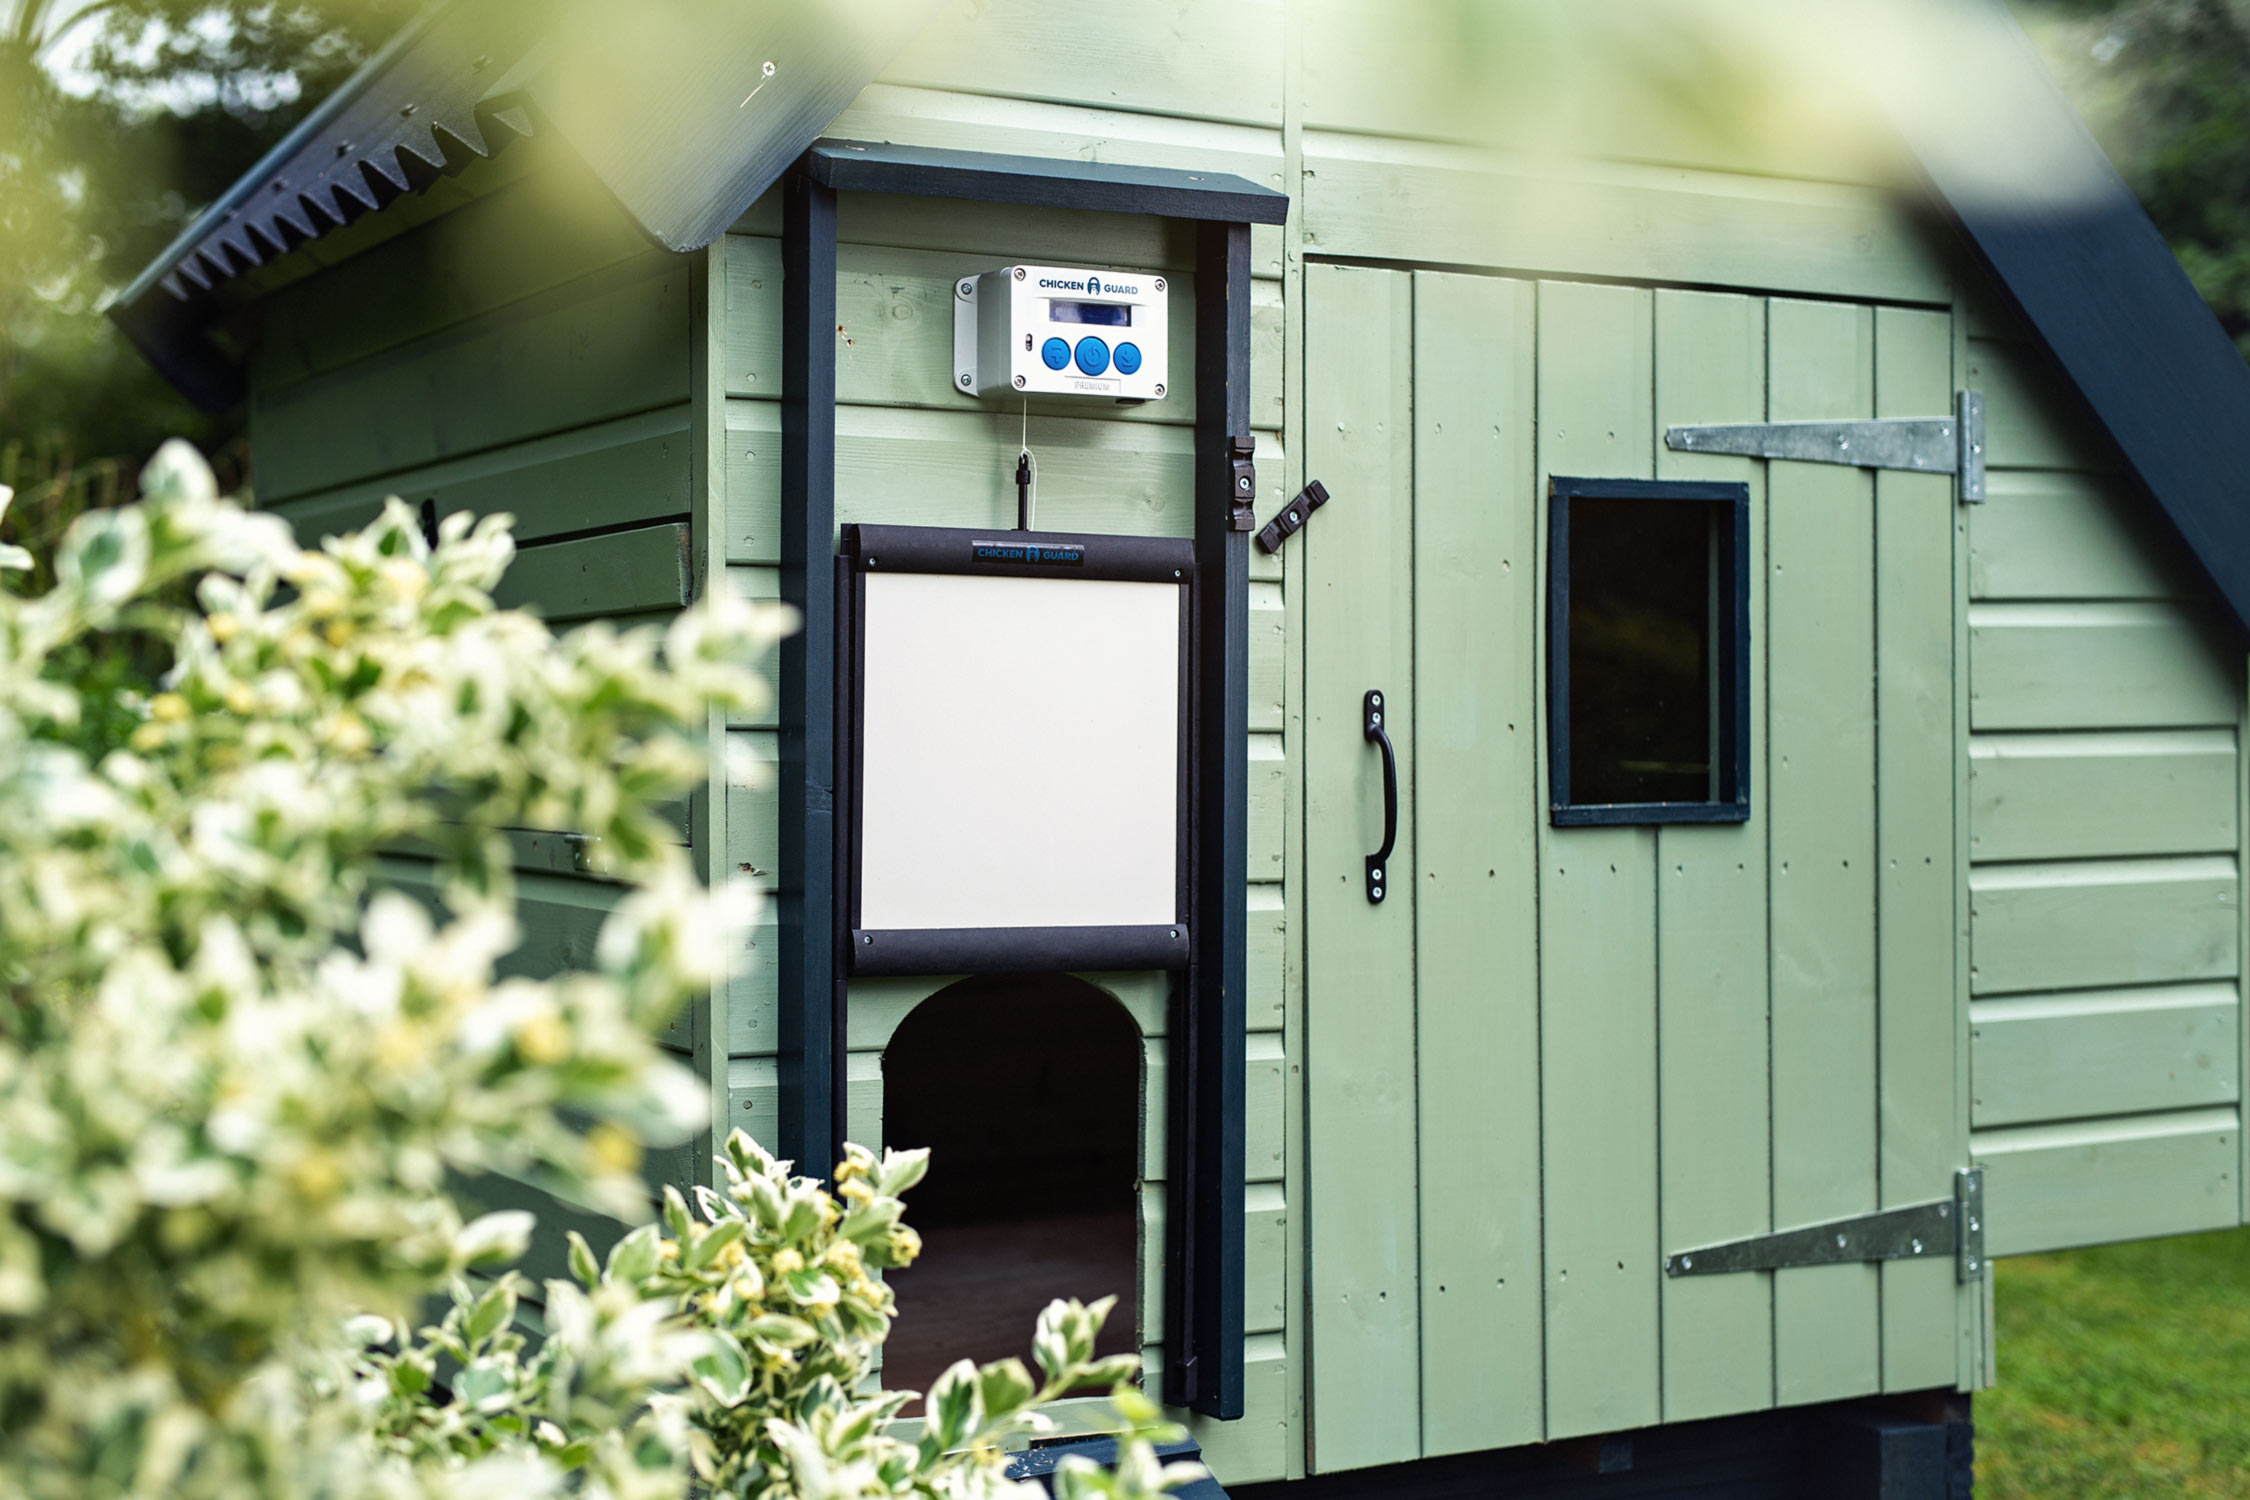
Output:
x=159 y=107
x=2165 y=87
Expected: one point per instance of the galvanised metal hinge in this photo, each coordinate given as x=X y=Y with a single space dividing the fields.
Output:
x=1950 y=1226
x=1924 y=445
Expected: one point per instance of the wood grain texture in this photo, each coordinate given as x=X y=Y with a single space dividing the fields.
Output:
x=1263 y=1071
x=2087 y=923
x=1474 y=867
x=1184 y=58
x=2098 y=666
x=2049 y=534
x=894 y=334
x=1922 y=1139
x=2074 y=796
x=549 y=227
x=2032 y=418
x=1597 y=948
x=616 y=573
x=609 y=474
x=1365 y=1385
x=1821 y=754
x=1397 y=200
x=1713 y=1043
x=605 y=346
x=1027 y=127
x=1265 y=1257
x=2103 y=1052
x=2050 y=1187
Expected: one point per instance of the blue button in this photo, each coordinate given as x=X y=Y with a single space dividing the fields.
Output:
x=1128 y=359
x=1093 y=355
x=1056 y=353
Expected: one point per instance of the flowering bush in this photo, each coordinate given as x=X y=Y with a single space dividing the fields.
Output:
x=237 y=1068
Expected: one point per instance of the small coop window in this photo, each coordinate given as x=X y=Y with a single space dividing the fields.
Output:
x=1648 y=651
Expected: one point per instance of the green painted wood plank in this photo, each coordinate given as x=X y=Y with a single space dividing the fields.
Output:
x=753 y=1099
x=1026 y=127
x=1266 y=958
x=2047 y=534
x=1922 y=1139
x=753 y=1022
x=606 y=346
x=1597 y=946
x=610 y=474
x=1268 y=642
x=2069 y=796
x=1455 y=72
x=753 y=819
x=1714 y=1074
x=1256 y=1446
x=2032 y=417
x=894 y=334
x=548 y=228
x=2050 y=1187
x=2101 y=922
x=1820 y=751
x=1474 y=868
x=2103 y=1052
x=1269 y=799
x=1398 y=200
x=1129 y=479
x=1164 y=57
x=1261 y=1109
x=617 y=573
x=2098 y=666
x=878 y=1006
x=1265 y=1258
x=1365 y=1369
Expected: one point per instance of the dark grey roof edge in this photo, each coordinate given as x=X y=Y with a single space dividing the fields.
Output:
x=2095 y=281
x=988 y=177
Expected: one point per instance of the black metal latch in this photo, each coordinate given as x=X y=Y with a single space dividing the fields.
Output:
x=1242 y=483
x=1292 y=517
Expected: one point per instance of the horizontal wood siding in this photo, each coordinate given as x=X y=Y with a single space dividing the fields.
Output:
x=2104 y=1052
x=2105 y=829
x=2048 y=1187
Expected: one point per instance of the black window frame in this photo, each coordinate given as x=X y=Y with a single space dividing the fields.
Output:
x=1731 y=647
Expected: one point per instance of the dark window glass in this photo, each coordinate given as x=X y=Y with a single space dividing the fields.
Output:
x=1642 y=612
x=1107 y=314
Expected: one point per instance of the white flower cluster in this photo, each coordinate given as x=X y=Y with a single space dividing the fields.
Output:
x=256 y=805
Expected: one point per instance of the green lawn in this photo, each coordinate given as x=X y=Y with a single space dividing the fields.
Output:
x=2124 y=1371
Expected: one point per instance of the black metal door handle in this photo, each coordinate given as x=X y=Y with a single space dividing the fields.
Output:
x=1378 y=863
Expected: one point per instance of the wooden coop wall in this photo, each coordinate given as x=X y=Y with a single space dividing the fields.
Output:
x=527 y=353
x=2105 y=834
x=909 y=450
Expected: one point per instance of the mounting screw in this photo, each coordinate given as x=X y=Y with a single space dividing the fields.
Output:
x=1019 y=273
x=1160 y=388
x=1375 y=700
x=1160 y=283
x=1019 y=382
x=1687 y=1262
x=967 y=289
x=1839 y=1242
x=965 y=377
x=1375 y=874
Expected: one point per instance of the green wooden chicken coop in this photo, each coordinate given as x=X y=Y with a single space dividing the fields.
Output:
x=1530 y=797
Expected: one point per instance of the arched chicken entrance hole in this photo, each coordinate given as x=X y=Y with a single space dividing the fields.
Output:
x=1027 y=1090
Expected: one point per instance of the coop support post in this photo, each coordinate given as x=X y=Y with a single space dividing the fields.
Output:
x=1203 y=1298
x=811 y=1062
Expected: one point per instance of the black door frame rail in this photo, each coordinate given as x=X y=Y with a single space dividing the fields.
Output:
x=1203 y=1261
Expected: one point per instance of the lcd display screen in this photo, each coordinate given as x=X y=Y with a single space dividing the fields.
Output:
x=1102 y=314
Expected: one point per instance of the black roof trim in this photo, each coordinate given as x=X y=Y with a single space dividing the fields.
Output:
x=2091 y=276
x=986 y=177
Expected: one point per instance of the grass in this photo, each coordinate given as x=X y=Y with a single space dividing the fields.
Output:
x=2124 y=1372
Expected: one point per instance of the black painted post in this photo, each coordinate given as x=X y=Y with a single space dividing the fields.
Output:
x=811 y=1060
x=1203 y=1301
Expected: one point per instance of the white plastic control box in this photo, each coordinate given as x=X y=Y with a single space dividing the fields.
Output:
x=1060 y=331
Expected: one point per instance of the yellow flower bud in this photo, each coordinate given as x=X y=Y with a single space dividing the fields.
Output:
x=542 y=1040
x=168 y=708
x=338 y=632
x=147 y=739
x=316 y=1175
x=615 y=1149
x=786 y=1261
x=223 y=627
x=240 y=699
